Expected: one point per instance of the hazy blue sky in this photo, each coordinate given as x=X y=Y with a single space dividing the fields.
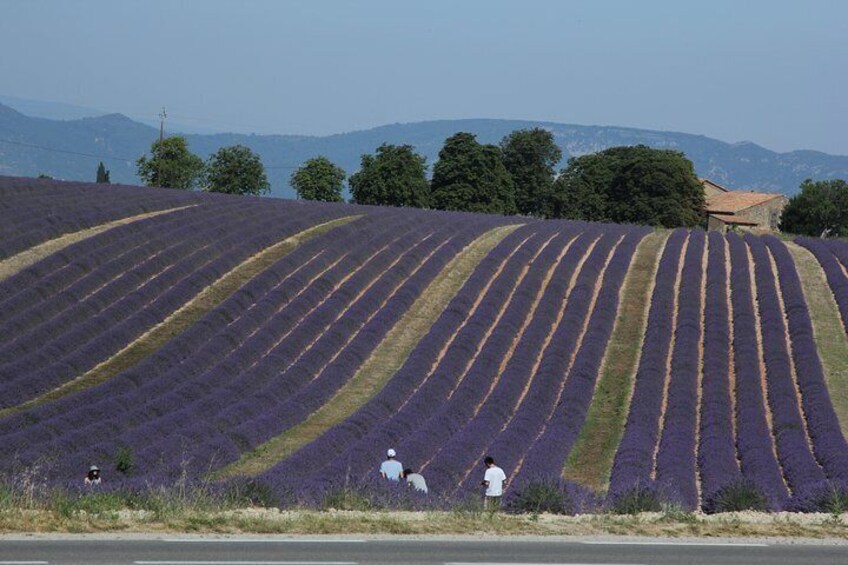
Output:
x=773 y=72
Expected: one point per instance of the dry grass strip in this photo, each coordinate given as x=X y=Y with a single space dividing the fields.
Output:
x=17 y=263
x=146 y=524
x=590 y=462
x=384 y=362
x=180 y=320
x=831 y=340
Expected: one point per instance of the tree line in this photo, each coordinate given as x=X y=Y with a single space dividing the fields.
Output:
x=628 y=184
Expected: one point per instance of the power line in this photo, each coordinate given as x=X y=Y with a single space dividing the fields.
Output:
x=102 y=157
x=67 y=152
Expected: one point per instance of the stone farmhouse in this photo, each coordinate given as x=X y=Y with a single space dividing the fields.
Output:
x=737 y=209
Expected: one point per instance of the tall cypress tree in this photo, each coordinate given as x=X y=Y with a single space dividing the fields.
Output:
x=102 y=174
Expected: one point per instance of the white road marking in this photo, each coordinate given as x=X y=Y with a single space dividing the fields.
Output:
x=245 y=562
x=522 y=563
x=260 y=540
x=24 y=562
x=680 y=543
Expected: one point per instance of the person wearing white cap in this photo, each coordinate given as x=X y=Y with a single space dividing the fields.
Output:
x=93 y=476
x=391 y=468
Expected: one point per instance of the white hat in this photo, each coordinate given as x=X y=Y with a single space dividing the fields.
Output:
x=94 y=468
x=391 y=453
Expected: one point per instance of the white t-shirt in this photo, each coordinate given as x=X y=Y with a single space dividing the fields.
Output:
x=392 y=469
x=495 y=477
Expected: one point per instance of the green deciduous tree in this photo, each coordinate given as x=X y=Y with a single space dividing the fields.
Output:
x=530 y=156
x=235 y=170
x=819 y=210
x=319 y=179
x=170 y=165
x=102 y=174
x=471 y=177
x=635 y=184
x=394 y=176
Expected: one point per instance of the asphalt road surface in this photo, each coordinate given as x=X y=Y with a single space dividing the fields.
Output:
x=302 y=551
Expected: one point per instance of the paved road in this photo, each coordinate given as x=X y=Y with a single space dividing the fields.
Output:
x=299 y=551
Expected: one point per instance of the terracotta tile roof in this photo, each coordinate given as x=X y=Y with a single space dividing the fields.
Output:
x=734 y=202
x=713 y=184
x=736 y=220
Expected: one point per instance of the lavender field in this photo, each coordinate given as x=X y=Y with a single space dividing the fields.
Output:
x=275 y=383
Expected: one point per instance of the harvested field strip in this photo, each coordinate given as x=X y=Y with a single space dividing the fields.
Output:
x=386 y=359
x=830 y=336
x=177 y=322
x=590 y=462
x=24 y=259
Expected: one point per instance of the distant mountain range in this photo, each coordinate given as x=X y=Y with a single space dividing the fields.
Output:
x=71 y=149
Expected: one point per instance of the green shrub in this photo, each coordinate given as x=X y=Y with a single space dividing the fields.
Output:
x=124 y=460
x=736 y=497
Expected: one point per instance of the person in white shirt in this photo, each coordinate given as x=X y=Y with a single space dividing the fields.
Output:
x=391 y=468
x=494 y=480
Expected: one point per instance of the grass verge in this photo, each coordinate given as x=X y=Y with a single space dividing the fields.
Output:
x=590 y=462
x=670 y=524
x=830 y=337
x=386 y=359
x=180 y=320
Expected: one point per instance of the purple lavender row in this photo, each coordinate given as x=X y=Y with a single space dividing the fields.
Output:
x=633 y=461
x=449 y=468
x=66 y=331
x=839 y=248
x=675 y=460
x=454 y=413
x=543 y=430
x=280 y=411
x=62 y=217
x=247 y=420
x=830 y=447
x=754 y=441
x=412 y=402
x=87 y=344
x=174 y=382
x=204 y=343
x=793 y=449
x=717 y=462
x=406 y=380
x=60 y=271
x=106 y=265
x=545 y=443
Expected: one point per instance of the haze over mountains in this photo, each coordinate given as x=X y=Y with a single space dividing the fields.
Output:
x=71 y=149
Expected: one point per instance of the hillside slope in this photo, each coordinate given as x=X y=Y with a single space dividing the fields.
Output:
x=294 y=342
x=119 y=141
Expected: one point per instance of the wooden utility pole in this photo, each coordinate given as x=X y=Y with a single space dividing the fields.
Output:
x=162 y=116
